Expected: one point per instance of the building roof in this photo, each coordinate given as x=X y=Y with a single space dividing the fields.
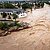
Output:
x=11 y=10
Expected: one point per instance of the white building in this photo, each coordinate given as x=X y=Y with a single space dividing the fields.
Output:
x=11 y=11
x=21 y=15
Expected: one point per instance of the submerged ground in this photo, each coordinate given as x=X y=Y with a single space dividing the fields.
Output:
x=35 y=38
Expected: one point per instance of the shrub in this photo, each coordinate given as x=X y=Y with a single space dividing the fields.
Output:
x=4 y=15
x=15 y=16
x=17 y=24
x=11 y=25
x=42 y=4
x=1 y=24
x=4 y=26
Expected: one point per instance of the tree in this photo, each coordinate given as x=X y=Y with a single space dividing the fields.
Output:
x=19 y=5
x=9 y=6
x=4 y=15
x=42 y=4
x=9 y=17
x=11 y=24
x=4 y=26
x=26 y=5
x=1 y=6
x=15 y=16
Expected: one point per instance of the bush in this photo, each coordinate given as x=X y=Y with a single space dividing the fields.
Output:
x=4 y=26
x=17 y=24
x=9 y=6
x=15 y=16
x=11 y=25
x=42 y=4
x=4 y=15
x=26 y=5
x=1 y=24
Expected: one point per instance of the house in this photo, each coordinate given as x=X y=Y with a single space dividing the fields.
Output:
x=10 y=11
x=19 y=12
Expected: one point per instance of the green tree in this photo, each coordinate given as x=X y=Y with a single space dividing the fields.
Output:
x=4 y=26
x=15 y=16
x=26 y=5
x=1 y=6
x=4 y=15
x=19 y=5
x=11 y=25
x=42 y=4
x=9 y=6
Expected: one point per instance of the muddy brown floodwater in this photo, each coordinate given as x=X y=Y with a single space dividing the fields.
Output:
x=35 y=38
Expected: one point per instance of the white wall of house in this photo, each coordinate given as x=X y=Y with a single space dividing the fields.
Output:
x=21 y=15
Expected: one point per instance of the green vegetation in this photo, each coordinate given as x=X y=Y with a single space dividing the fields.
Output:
x=16 y=23
x=6 y=26
x=1 y=6
x=39 y=4
x=7 y=5
x=18 y=5
x=11 y=25
x=3 y=26
x=42 y=4
x=4 y=15
x=15 y=16
x=26 y=5
x=48 y=3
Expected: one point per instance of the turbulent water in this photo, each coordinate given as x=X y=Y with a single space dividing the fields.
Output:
x=35 y=38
